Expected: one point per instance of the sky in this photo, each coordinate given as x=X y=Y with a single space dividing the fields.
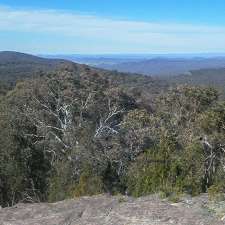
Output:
x=112 y=26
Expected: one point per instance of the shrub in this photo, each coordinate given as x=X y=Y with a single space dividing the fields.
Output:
x=216 y=192
x=167 y=169
x=60 y=182
x=156 y=170
x=193 y=177
x=89 y=184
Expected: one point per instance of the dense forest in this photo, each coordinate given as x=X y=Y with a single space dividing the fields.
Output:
x=204 y=77
x=74 y=130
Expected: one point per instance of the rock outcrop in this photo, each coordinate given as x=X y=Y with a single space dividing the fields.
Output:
x=110 y=210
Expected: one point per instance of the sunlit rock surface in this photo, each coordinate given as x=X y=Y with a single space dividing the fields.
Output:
x=119 y=210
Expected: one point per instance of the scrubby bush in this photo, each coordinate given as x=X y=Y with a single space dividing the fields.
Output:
x=89 y=184
x=155 y=170
x=167 y=169
x=60 y=182
x=217 y=192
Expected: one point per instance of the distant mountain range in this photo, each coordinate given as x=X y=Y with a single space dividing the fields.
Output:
x=154 y=65
x=167 y=67
x=16 y=66
x=194 y=71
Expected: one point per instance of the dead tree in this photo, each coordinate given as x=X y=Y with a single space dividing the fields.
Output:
x=107 y=125
x=51 y=117
x=214 y=157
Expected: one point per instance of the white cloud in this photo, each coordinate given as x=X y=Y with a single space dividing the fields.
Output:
x=115 y=34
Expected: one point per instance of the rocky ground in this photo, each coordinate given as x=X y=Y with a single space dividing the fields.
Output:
x=117 y=210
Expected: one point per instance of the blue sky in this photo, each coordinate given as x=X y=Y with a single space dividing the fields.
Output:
x=112 y=26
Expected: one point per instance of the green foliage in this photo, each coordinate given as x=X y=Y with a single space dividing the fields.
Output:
x=213 y=120
x=60 y=182
x=89 y=184
x=130 y=136
x=167 y=169
x=193 y=169
x=62 y=185
x=216 y=192
x=156 y=170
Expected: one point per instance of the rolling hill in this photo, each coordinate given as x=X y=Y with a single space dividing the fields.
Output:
x=207 y=77
x=166 y=66
x=15 y=66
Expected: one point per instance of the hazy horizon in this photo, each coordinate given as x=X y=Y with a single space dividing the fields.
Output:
x=170 y=54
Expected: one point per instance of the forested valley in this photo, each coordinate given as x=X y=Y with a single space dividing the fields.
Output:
x=73 y=130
